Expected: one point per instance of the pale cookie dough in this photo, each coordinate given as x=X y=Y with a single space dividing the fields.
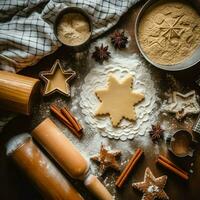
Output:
x=118 y=99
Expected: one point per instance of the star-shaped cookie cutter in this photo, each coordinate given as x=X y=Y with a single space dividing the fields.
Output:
x=182 y=104
x=57 y=72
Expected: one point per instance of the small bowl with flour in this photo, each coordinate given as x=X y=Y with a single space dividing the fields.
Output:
x=73 y=28
x=167 y=33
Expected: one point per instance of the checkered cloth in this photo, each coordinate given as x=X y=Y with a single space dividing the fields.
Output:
x=26 y=27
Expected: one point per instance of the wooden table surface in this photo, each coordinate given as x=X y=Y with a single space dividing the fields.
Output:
x=15 y=186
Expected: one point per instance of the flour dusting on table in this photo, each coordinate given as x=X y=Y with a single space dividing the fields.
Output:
x=120 y=65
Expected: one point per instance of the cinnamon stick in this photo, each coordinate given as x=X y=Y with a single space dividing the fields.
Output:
x=56 y=111
x=172 y=164
x=125 y=173
x=65 y=111
x=172 y=167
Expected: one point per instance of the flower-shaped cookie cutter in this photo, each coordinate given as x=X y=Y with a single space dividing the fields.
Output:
x=182 y=143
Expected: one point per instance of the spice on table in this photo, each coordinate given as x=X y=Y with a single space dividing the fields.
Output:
x=65 y=111
x=101 y=53
x=119 y=40
x=127 y=170
x=62 y=118
x=156 y=132
x=172 y=167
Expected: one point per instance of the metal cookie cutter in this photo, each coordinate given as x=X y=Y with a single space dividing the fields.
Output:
x=182 y=143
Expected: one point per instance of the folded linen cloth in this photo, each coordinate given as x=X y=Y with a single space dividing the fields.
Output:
x=26 y=27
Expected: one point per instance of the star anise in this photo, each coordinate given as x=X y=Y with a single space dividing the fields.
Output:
x=156 y=132
x=119 y=40
x=101 y=53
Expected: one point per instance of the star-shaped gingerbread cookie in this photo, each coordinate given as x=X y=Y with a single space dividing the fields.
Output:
x=107 y=159
x=152 y=187
x=57 y=79
x=118 y=99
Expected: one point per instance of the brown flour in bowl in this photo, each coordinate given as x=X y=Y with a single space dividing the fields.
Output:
x=169 y=32
x=73 y=29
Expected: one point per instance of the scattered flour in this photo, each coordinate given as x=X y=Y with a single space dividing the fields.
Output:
x=16 y=142
x=120 y=65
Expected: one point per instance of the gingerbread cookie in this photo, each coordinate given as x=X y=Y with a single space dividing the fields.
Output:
x=152 y=187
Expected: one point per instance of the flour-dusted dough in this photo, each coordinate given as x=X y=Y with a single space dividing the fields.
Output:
x=118 y=99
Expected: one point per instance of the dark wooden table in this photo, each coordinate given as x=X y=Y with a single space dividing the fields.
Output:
x=15 y=186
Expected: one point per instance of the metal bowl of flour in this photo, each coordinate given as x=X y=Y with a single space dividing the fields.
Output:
x=185 y=64
x=70 y=10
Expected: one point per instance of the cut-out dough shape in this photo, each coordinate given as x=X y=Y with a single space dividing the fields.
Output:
x=118 y=99
x=57 y=79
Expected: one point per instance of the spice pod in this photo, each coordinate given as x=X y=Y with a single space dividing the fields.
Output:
x=17 y=92
x=181 y=144
x=79 y=27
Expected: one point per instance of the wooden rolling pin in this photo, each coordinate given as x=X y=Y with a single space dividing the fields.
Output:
x=68 y=157
x=41 y=171
x=17 y=92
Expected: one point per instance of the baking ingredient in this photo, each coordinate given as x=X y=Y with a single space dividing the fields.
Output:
x=151 y=187
x=118 y=99
x=57 y=112
x=166 y=163
x=57 y=79
x=120 y=65
x=156 y=132
x=128 y=169
x=181 y=104
x=119 y=40
x=169 y=31
x=101 y=53
x=107 y=159
x=68 y=115
x=73 y=29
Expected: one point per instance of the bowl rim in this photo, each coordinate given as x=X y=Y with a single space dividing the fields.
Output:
x=175 y=67
x=72 y=10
